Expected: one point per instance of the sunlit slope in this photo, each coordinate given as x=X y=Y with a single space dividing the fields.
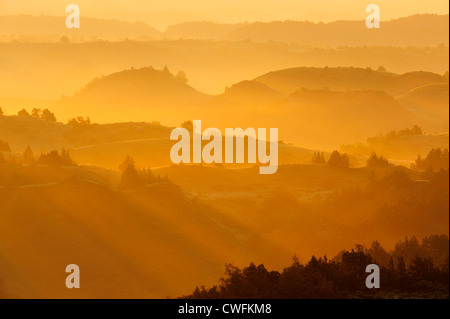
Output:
x=323 y=117
x=148 y=243
x=347 y=78
x=430 y=102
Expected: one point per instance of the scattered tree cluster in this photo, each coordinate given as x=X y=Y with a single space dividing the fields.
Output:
x=56 y=159
x=182 y=77
x=381 y=139
x=435 y=160
x=4 y=147
x=45 y=114
x=377 y=162
x=318 y=158
x=338 y=160
x=79 y=121
x=133 y=178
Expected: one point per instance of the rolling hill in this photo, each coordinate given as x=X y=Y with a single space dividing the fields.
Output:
x=134 y=94
x=347 y=78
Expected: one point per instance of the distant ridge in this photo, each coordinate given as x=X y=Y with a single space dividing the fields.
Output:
x=92 y=28
x=416 y=30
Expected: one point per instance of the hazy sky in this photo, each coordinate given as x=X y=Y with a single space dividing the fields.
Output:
x=162 y=13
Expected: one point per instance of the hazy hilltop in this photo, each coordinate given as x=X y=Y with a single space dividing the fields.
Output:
x=133 y=94
x=252 y=93
x=347 y=78
x=49 y=28
x=417 y=30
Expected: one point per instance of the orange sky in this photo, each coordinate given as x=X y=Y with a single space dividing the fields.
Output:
x=163 y=13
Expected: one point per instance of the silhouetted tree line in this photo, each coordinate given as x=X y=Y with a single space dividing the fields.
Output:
x=338 y=160
x=45 y=114
x=436 y=160
x=318 y=158
x=133 y=178
x=381 y=139
x=4 y=147
x=377 y=161
x=55 y=158
x=79 y=121
x=342 y=277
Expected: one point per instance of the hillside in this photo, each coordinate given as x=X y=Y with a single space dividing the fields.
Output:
x=324 y=97
x=430 y=102
x=323 y=117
